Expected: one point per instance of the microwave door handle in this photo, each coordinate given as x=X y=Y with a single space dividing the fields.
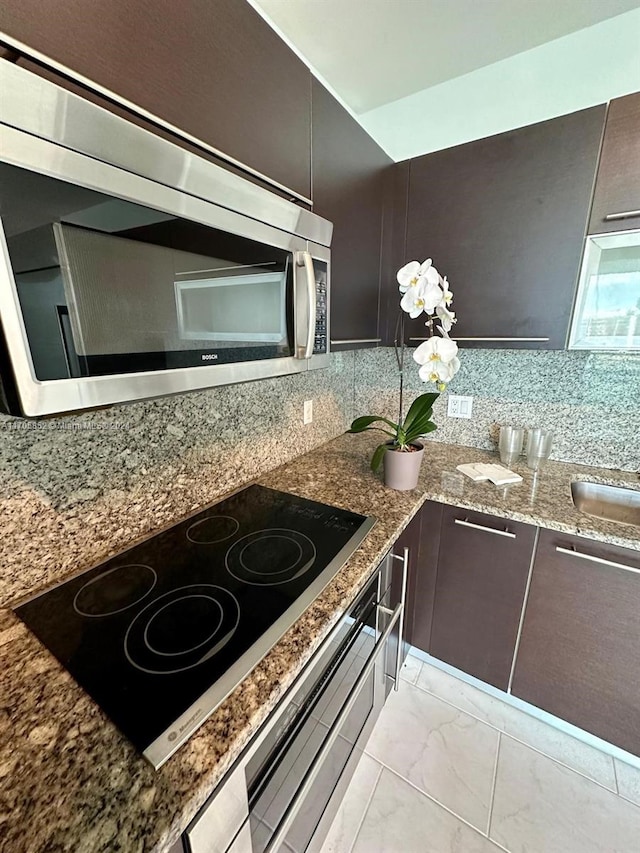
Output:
x=305 y=349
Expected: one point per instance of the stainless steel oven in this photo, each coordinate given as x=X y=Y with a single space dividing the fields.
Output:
x=285 y=789
x=130 y=268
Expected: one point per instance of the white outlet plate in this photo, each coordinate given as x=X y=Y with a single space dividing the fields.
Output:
x=459 y=407
x=308 y=412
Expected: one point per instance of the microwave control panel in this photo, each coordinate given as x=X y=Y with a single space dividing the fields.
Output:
x=320 y=342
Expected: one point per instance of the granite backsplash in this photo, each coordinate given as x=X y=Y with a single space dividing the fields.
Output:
x=75 y=489
x=591 y=401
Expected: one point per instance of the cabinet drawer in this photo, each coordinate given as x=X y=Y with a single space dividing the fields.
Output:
x=579 y=654
x=483 y=566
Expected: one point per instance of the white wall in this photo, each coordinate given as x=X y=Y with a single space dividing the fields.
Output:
x=571 y=73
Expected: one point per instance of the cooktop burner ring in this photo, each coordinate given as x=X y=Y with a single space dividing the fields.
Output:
x=193 y=648
x=147 y=658
x=88 y=590
x=273 y=536
x=236 y=563
x=211 y=540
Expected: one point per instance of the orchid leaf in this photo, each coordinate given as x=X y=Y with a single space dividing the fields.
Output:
x=422 y=419
x=420 y=406
x=376 y=459
x=393 y=435
x=420 y=423
x=421 y=429
x=360 y=424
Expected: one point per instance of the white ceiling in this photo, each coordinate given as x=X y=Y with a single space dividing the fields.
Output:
x=373 y=52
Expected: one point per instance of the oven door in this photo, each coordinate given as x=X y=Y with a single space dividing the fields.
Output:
x=292 y=783
x=288 y=787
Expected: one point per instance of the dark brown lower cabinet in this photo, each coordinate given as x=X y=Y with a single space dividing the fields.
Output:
x=579 y=654
x=423 y=570
x=409 y=538
x=483 y=565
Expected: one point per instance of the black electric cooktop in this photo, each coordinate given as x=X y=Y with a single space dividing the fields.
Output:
x=162 y=633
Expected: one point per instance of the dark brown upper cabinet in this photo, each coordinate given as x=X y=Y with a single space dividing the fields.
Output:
x=348 y=186
x=394 y=236
x=504 y=218
x=483 y=565
x=616 y=201
x=212 y=68
x=579 y=651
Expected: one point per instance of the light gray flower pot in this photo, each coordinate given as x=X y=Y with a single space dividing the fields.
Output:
x=401 y=469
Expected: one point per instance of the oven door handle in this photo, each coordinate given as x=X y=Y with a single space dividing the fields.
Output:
x=310 y=776
x=305 y=318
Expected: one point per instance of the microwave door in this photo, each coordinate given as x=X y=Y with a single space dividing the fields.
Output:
x=112 y=284
x=233 y=305
x=114 y=293
x=140 y=305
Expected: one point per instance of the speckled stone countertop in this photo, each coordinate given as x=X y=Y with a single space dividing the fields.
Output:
x=71 y=782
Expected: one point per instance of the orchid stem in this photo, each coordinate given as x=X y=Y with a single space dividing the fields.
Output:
x=400 y=358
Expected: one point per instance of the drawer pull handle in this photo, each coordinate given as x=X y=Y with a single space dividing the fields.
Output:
x=458 y=338
x=466 y=523
x=571 y=553
x=337 y=341
x=626 y=214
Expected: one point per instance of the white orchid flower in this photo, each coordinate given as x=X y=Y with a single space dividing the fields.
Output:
x=447 y=295
x=438 y=360
x=436 y=349
x=424 y=296
x=410 y=274
x=447 y=319
x=413 y=300
x=432 y=295
x=440 y=373
x=430 y=272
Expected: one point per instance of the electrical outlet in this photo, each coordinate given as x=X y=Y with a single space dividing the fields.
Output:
x=459 y=407
x=308 y=412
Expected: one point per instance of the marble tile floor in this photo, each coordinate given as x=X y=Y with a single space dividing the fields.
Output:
x=451 y=769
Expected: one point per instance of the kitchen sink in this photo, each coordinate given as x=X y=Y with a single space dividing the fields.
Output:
x=612 y=503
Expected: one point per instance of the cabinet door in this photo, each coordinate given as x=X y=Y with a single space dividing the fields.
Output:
x=579 y=653
x=394 y=256
x=409 y=538
x=504 y=218
x=617 y=192
x=348 y=186
x=213 y=69
x=483 y=565
x=422 y=577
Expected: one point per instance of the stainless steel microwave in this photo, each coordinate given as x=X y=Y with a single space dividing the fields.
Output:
x=131 y=268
